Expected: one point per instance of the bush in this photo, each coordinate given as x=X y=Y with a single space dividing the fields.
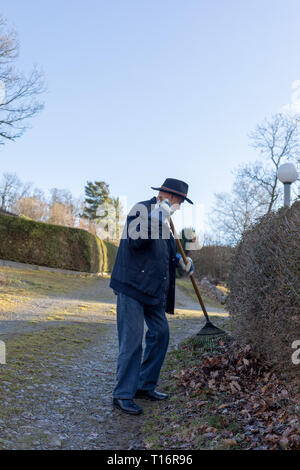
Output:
x=55 y=246
x=213 y=261
x=264 y=299
x=110 y=257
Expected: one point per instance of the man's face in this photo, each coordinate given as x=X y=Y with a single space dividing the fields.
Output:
x=174 y=200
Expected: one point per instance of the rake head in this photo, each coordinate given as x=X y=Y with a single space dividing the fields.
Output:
x=210 y=330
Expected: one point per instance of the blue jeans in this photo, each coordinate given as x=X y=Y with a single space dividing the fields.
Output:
x=132 y=372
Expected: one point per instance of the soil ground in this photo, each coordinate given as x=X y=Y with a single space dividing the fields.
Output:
x=59 y=330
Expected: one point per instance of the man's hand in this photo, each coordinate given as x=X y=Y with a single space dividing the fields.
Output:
x=189 y=267
x=164 y=207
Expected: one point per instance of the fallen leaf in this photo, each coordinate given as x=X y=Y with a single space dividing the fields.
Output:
x=224 y=405
x=201 y=403
x=229 y=442
x=211 y=429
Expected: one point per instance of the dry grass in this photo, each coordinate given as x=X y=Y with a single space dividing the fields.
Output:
x=187 y=287
x=19 y=286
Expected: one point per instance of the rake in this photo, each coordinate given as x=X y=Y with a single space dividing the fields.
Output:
x=208 y=330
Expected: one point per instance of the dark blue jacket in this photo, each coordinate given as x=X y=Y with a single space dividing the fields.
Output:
x=140 y=269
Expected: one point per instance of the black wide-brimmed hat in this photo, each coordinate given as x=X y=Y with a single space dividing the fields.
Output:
x=177 y=187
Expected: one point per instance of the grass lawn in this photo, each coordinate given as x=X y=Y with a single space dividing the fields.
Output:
x=18 y=285
x=187 y=287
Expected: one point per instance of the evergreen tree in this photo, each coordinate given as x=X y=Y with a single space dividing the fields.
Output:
x=96 y=193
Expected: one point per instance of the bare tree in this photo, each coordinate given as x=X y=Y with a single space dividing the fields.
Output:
x=34 y=206
x=12 y=189
x=64 y=196
x=61 y=207
x=18 y=100
x=65 y=209
x=278 y=140
x=256 y=190
x=234 y=212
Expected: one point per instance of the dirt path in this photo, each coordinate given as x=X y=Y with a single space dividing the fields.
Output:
x=60 y=396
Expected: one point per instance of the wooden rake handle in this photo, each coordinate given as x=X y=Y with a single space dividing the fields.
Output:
x=191 y=276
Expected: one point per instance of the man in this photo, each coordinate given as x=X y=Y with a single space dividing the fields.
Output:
x=143 y=277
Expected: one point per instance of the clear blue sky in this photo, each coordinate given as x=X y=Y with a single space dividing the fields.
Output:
x=143 y=90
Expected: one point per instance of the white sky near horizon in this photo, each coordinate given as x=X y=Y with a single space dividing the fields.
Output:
x=138 y=91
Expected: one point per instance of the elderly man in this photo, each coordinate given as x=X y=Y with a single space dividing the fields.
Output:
x=143 y=278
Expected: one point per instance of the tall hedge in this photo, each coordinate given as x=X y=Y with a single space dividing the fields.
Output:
x=55 y=246
x=110 y=255
x=264 y=299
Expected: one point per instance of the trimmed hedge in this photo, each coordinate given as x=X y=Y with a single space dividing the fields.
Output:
x=264 y=299
x=55 y=246
x=110 y=255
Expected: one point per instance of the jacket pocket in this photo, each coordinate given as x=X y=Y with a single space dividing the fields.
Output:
x=146 y=279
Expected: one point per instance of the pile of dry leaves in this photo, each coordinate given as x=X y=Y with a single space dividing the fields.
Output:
x=262 y=402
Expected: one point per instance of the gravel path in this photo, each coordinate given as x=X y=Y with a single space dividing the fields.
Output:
x=70 y=405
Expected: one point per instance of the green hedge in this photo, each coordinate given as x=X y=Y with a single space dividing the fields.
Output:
x=55 y=246
x=111 y=253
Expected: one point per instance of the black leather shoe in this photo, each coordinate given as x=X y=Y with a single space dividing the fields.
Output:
x=151 y=395
x=127 y=406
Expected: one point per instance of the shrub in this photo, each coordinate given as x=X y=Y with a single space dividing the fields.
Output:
x=213 y=261
x=110 y=255
x=264 y=299
x=56 y=246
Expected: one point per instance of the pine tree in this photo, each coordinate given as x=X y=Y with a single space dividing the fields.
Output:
x=96 y=194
